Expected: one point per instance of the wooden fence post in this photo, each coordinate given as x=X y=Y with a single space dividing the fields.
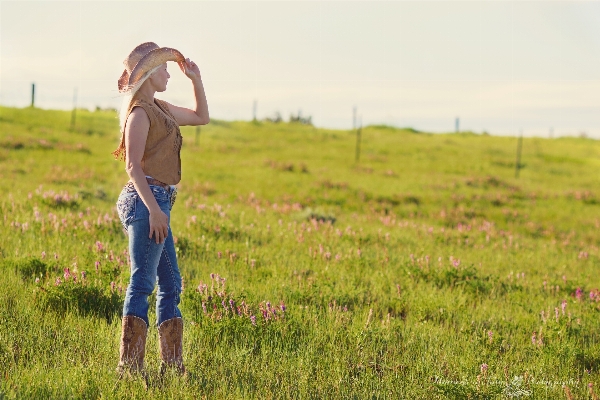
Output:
x=519 y=149
x=358 y=133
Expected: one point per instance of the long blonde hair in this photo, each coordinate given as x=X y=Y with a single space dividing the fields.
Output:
x=128 y=95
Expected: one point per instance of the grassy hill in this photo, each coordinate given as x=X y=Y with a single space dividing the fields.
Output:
x=424 y=270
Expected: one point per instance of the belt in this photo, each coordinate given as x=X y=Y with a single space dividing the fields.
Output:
x=156 y=182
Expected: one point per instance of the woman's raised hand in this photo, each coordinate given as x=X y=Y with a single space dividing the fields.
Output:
x=190 y=69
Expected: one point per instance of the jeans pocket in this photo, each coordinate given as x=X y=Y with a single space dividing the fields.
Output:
x=126 y=208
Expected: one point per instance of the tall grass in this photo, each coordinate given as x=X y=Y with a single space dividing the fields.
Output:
x=426 y=271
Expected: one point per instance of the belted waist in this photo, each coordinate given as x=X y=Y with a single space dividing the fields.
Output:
x=156 y=182
x=151 y=181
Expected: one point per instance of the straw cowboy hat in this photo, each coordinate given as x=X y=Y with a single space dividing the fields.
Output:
x=142 y=59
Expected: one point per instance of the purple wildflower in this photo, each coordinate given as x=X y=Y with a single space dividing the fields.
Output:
x=253 y=320
x=204 y=307
x=83 y=275
x=58 y=282
x=563 y=305
x=282 y=306
x=578 y=293
x=533 y=338
x=67 y=274
x=484 y=368
x=97 y=265
x=223 y=304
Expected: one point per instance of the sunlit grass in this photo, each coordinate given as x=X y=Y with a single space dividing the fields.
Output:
x=426 y=270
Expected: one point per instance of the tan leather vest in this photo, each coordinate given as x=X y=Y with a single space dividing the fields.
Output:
x=161 y=158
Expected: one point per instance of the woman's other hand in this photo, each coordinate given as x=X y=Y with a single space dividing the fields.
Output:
x=159 y=226
x=190 y=69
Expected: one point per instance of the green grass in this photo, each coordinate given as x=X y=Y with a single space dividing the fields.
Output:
x=401 y=274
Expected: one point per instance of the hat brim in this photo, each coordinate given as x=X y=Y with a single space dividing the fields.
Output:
x=153 y=59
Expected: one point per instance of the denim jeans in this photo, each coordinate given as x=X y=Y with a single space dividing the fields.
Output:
x=150 y=262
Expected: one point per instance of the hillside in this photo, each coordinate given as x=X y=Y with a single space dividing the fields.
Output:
x=396 y=276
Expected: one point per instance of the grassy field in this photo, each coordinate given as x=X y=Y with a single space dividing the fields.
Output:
x=426 y=270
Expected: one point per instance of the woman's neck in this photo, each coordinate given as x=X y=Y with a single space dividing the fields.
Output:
x=147 y=91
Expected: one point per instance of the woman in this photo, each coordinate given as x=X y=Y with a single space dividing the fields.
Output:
x=150 y=145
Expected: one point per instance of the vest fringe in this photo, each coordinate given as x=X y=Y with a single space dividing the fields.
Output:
x=119 y=153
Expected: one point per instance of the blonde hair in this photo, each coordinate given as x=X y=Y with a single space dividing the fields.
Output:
x=128 y=95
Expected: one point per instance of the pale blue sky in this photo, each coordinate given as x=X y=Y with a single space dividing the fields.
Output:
x=499 y=65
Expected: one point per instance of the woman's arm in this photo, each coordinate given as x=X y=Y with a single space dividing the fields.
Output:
x=199 y=116
x=136 y=133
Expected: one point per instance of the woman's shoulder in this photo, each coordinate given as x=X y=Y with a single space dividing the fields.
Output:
x=149 y=109
x=164 y=106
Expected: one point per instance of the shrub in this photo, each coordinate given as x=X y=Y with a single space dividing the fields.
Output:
x=80 y=297
x=27 y=268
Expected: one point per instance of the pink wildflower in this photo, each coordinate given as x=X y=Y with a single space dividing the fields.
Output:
x=484 y=368
x=563 y=306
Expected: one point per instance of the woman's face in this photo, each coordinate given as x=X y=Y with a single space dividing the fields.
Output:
x=160 y=77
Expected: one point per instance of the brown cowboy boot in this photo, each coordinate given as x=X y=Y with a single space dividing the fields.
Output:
x=170 y=334
x=133 y=345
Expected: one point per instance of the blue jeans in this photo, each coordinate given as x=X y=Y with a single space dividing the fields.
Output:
x=150 y=262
